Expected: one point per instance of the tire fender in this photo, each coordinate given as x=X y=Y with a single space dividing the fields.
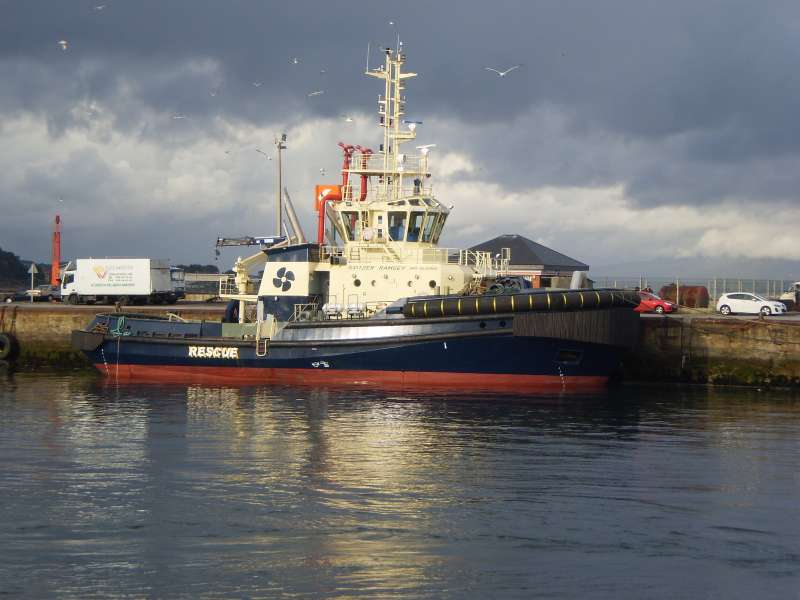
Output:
x=9 y=347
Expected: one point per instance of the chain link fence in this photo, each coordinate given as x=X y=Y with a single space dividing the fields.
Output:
x=674 y=288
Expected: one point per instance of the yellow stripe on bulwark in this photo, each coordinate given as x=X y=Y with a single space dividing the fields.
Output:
x=598 y=298
x=476 y=306
x=512 y=303
x=413 y=310
x=581 y=295
x=494 y=304
x=459 y=306
x=548 y=301
x=530 y=301
x=425 y=308
x=565 y=300
x=441 y=307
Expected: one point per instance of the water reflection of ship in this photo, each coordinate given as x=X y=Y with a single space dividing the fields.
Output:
x=375 y=299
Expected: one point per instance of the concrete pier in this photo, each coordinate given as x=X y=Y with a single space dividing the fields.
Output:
x=680 y=348
x=719 y=350
x=43 y=329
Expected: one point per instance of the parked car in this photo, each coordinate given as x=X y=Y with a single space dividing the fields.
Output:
x=753 y=304
x=652 y=303
x=41 y=293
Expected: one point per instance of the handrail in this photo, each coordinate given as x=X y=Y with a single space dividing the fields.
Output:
x=372 y=163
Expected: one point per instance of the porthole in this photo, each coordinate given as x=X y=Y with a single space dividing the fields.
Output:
x=373 y=283
x=482 y=325
x=410 y=283
x=357 y=283
x=502 y=323
x=432 y=284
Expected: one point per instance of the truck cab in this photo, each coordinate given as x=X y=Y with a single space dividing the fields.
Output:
x=68 y=286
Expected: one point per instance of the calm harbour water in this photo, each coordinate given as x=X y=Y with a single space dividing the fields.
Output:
x=203 y=491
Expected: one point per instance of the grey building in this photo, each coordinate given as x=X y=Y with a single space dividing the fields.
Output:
x=543 y=266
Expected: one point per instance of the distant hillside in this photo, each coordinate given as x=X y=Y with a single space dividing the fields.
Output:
x=195 y=268
x=14 y=271
x=702 y=267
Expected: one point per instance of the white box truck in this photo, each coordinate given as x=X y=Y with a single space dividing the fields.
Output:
x=123 y=280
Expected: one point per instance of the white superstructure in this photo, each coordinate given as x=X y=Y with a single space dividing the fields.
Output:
x=378 y=230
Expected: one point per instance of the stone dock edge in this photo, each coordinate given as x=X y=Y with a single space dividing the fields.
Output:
x=700 y=349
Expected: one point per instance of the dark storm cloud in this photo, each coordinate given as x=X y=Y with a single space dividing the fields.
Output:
x=643 y=68
x=681 y=102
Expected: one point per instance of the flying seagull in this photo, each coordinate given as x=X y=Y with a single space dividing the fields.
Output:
x=64 y=44
x=294 y=60
x=347 y=118
x=502 y=73
x=258 y=83
x=317 y=93
x=178 y=116
x=100 y=7
x=260 y=151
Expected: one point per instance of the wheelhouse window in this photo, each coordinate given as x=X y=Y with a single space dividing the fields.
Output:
x=415 y=226
x=437 y=229
x=427 y=230
x=397 y=225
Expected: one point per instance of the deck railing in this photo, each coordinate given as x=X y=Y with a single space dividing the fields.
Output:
x=409 y=163
x=229 y=287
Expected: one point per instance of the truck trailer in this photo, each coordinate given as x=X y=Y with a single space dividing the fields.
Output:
x=118 y=280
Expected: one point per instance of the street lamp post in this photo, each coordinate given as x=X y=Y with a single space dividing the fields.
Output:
x=280 y=144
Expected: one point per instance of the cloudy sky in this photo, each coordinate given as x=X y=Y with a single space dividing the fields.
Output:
x=632 y=131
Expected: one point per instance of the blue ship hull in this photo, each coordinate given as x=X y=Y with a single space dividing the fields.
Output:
x=473 y=353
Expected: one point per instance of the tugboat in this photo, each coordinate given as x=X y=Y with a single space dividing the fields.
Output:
x=375 y=299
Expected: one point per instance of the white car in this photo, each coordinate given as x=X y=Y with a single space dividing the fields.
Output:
x=742 y=302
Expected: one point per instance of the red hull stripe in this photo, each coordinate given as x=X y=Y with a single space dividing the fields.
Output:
x=232 y=375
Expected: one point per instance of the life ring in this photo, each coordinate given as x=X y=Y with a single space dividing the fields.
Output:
x=9 y=347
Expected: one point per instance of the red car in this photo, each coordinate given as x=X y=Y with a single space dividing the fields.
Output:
x=652 y=303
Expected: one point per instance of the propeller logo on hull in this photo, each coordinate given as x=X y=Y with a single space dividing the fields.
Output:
x=283 y=279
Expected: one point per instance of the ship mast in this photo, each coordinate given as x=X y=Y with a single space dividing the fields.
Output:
x=391 y=108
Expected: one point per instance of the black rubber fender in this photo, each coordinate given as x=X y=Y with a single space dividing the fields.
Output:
x=538 y=301
x=9 y=347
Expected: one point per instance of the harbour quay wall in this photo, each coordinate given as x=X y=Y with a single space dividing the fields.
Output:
x=717 y=350
x=696 y=349
x=43 y=330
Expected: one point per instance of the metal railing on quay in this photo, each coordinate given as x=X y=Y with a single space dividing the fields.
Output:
x=678 y=289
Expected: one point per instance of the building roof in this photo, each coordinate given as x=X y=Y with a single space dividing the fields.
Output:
x=529 y=253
